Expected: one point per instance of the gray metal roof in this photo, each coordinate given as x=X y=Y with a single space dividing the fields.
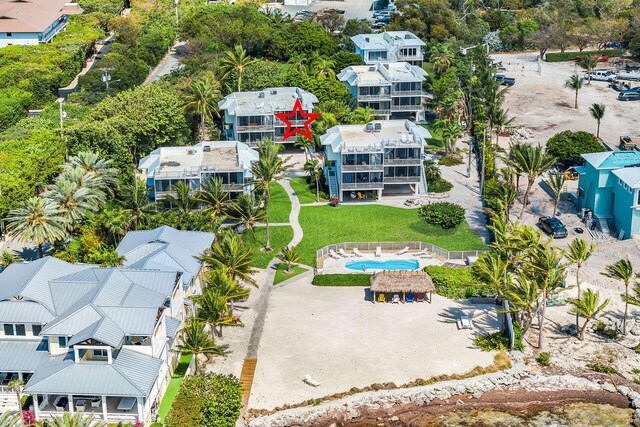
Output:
x=192 y=240
x=104 y=330
x=133 y=320
x=23 y=312
x=172 y=326
x=267 y=101
x=131 y=374
x=22 y=355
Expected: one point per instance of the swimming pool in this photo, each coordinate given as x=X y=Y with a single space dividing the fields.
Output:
x=399 y=264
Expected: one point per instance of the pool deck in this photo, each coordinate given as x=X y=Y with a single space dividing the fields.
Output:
x=329 y=265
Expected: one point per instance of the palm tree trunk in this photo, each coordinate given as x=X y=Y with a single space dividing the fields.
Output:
x=525 y=198
x=197 y=362
x=578 y=285
x=239 y=80
x=317 y=190
x=598 y=131
x=202 y=126
x=555 y=204
x=576 y=102
x=267 y=245
x=584 y=328
x=626 y=309
x=541 y=316
x=40 y=251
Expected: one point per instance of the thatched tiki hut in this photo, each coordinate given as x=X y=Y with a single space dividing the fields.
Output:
x=401 y=282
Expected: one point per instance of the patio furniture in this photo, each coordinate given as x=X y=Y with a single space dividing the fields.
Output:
x=402 y=251
x=357 y=253
x=311 y=381
x=381 y=298
x=334 y=255
x=422 y=252
x=378 y=252
x=396 y=299
x=126 y=404
x=427 y=256
x=344 y=254
x=464 y=322
x=60 y=403
x=409 y=202
x=409 y=298
x=420 y=298
x=96 y=402
x=80 y=405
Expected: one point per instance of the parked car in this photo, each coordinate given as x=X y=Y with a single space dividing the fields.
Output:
x=504 y=80
x=553 y=227
x=619 y=86
x=333 y=10
x=629 y=75
x=601 y=75
x=629 y=95
x=385 y=19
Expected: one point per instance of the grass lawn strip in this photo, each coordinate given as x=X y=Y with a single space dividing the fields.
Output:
x=324 y=225
x=304 y=192
x=174 y=386
x=279 y=237
x=342 y=280
x=279 y=204
x=281 y=276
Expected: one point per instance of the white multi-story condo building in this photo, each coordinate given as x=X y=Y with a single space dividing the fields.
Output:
x=230 y=161
x=389 y=46
x=393 y=90
x=373 y=159
x=249 y=117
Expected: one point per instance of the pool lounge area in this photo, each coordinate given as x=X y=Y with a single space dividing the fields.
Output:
x=390 y=264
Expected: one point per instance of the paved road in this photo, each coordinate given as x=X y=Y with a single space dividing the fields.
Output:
x=169 y=63
x=102 y=48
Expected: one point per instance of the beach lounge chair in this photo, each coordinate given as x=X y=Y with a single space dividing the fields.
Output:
x=409 y=298
x=344 y=254
x=422 y=252
x=311 y=381
x=464 y=322
x=334 y=255
x=378 y=252
x=357 y=253
x=381 y=298
x=409 y=202
x=60 y=403
x=396 y=299
x=420 y=298
x=402 y=251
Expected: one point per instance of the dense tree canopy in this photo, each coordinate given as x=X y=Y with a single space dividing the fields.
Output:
x=567 y=146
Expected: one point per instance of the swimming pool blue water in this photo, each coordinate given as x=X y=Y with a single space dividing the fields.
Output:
x=400 y=264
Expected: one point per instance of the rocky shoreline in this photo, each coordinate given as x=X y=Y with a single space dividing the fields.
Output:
x=515 y=379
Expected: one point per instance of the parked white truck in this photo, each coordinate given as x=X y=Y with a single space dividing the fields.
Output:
x=601 y=75
x=629 y=75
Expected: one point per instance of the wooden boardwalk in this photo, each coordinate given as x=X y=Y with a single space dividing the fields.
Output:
x=246 y=379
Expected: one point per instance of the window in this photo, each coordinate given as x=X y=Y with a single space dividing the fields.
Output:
x=62 y=342
x=36 y=329
x=19 y=330
x=100 y=353
x=9 y=34
x=8 y=329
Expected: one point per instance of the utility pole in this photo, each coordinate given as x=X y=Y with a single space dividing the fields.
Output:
x=175 y=2
x=470 y=121
x=484 y=147
x=106 y=77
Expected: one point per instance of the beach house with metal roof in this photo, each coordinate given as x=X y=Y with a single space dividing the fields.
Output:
x=609 y=185
x=89 y=339
x=167 y=249
x=230 y=161
x=393 y=90
x=249 y=117
x=389 y=46
x=380 y=158
x=31 y=22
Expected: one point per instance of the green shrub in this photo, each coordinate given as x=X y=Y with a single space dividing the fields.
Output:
x=601 y=329
x=451 y=160
x=568 y=146
x=570 y=56
x=206 y=400
x=439 y=185
x=490 y=342
x=604 y=369
x=341 y=280
x=457 y=283
x=637 y=349
x=442 y=214
x=544 y=358
x=517 y=335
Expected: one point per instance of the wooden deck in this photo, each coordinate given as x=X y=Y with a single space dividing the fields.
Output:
x=246 y=379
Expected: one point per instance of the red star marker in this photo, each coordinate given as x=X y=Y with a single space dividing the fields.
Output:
x=297 y=110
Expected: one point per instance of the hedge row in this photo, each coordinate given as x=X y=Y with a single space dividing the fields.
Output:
x=457 y=283
x=341 y=280
x=572 y=56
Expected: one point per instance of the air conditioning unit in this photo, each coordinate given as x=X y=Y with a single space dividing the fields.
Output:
x=377 y=127
x=206 y=148
x=261 y=95
x=368 y=127
x=191 y=152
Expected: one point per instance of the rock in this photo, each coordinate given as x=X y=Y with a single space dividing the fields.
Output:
x=459 y=402
x=478 y=395
x=632 y=395
x=636 y=422
x=636 y=414
x=609 y=387
x=635 y=404
x=635 y=330
x=624 y=391
x=394 y=418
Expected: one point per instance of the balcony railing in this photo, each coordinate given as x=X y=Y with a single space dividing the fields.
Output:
x=383 y=112
x=401 y=179
x=408 y=93
x=399 y=162
x=351 y=168
x=294 y=123
x=379 y=96
x=362 y=185
x=407 y=108
x=416 y=57
x=255 y=128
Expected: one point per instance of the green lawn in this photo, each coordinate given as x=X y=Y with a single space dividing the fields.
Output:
x=279 y=204
x=304 y=191
x=174 y=386
x=281 y=276
x=436 y=141
x=279 y=237
x=324 y=225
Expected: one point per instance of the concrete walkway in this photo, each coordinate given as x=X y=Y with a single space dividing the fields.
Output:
x=295 y=212
x=102 y=48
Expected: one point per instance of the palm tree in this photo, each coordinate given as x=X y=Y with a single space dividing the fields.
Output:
x=235 y=62
x=492 y=270
x=635 y=298
x=136 y=200
x=588 y=63
x=531 y=162
x=597 y=112
x=214 y=197
x=182 y=201
x=213 y=309
x=37 y=220
x=500 y=120
x=117 y=220
x=248 y=211
x=441 y=56
x=323 y=68
x=314 y=168
x=269 y=168
x=230 y=251
x=289 y=256
x=305 y=145
x=579 y=252
x=523 y=295
x=68 y=420
x=450 y=131
x=194 y=340
x=100 y=169
x=74 y=202
x=555 y=181
x=623 y=271
x=221 y=282
x=587 y=306
x=10 y=420
x=574 y=83
x=17 y=386
x=362 y=115
x=7 y=258
x=202 y=99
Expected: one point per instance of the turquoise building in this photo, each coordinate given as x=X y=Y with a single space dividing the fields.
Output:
x=609 y=185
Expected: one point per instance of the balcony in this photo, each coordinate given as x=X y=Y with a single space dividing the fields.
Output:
x=407 y=108
x=377 y=97
x=359 y=168
x=402 y=162
x=255 y=128
x=401 y=179
x=402 y=57
x=294 y=123
x=383 y=112
x=362 y=185
x=409 y=93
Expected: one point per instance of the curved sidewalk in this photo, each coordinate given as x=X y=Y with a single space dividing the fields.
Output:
x=294 y=214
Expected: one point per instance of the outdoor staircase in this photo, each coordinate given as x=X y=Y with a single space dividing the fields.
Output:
x=422 y=186
x=332 y=181
x=246 y=378
x=8 y=402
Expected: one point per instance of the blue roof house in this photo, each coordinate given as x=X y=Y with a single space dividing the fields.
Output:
x=609 y=185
